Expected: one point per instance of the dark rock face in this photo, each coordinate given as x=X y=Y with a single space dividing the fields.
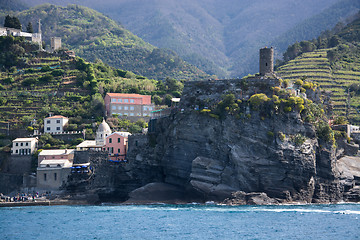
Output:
x=156 y=192
x=217 y=158
x=252 y=160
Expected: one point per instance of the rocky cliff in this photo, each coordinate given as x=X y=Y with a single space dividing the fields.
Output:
x=255 y=156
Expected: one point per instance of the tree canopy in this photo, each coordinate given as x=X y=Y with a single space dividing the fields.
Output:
x=12 y=22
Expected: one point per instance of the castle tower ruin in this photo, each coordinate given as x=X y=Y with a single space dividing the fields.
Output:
x=266 y=61
x=55 y=43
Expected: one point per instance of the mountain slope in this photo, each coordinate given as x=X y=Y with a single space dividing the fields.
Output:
x=220 y=37
x=94 y=36
x=312 y=27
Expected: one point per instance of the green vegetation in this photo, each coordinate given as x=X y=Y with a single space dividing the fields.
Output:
x=12 y=22
x=34 y=83
x=332 y=62
x=94 y=36
x=298 y=139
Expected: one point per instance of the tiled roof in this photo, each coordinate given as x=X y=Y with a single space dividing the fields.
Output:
x=56 y=116
x=146 y=98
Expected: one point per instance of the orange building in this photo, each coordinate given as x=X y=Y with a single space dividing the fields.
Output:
x=125 y=104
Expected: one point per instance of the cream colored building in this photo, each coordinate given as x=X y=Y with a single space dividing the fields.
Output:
x=55 y=124
x=53 y=154
x=52 y=174
x=24 y=146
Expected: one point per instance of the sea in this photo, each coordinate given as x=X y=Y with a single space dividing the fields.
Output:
x=191 y=221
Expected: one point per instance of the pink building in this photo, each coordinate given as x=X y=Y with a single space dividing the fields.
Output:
x=116 y=145
x=124 y=104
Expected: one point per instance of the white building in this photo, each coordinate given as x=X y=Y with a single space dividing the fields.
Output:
x=33 y=37
x=55 y=124
x=101 y=134
x=24 y=146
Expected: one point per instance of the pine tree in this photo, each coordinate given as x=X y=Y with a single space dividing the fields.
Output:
x=29 y=28
x=17 y=23
x=8 y=21
x=12 y=22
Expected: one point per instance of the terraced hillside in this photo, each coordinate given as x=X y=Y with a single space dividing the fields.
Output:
x=333 y=77
x=43 y=86
x=35 y=83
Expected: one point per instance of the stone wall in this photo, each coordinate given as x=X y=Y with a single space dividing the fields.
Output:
x=10 y=182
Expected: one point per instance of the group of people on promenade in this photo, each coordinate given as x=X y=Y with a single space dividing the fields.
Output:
x=22 y=197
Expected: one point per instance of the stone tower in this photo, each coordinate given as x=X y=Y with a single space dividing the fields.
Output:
x=55 y=43
x=266 y=61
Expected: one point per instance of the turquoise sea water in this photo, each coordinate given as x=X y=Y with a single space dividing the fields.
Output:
x=181 y=222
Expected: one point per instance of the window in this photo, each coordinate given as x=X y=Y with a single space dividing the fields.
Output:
x=120 y=107
x=126 y=108
x=131 y=100
x=145 y=108
x=112 y=150
x=131 y=114
x=55 y=176
x=110 y=140
x=17 y=151
x=118 y=150
x=48 y=121
x=119 y=140
x=131 y=108
x=120 y=100
x=45 y=177
x=48 y=128
x=150 y=108
x=58 y=128
x=120 y=114
x=16 y=144
x=125 y=114
x=113 y=107
x=21 y=144
x=126 y=100
x=26 y=144
x=57 y=121
x=113 y=100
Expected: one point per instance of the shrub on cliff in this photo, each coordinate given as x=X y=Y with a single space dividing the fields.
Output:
x=324 y=132
x=258 y=100
x=227 y=105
